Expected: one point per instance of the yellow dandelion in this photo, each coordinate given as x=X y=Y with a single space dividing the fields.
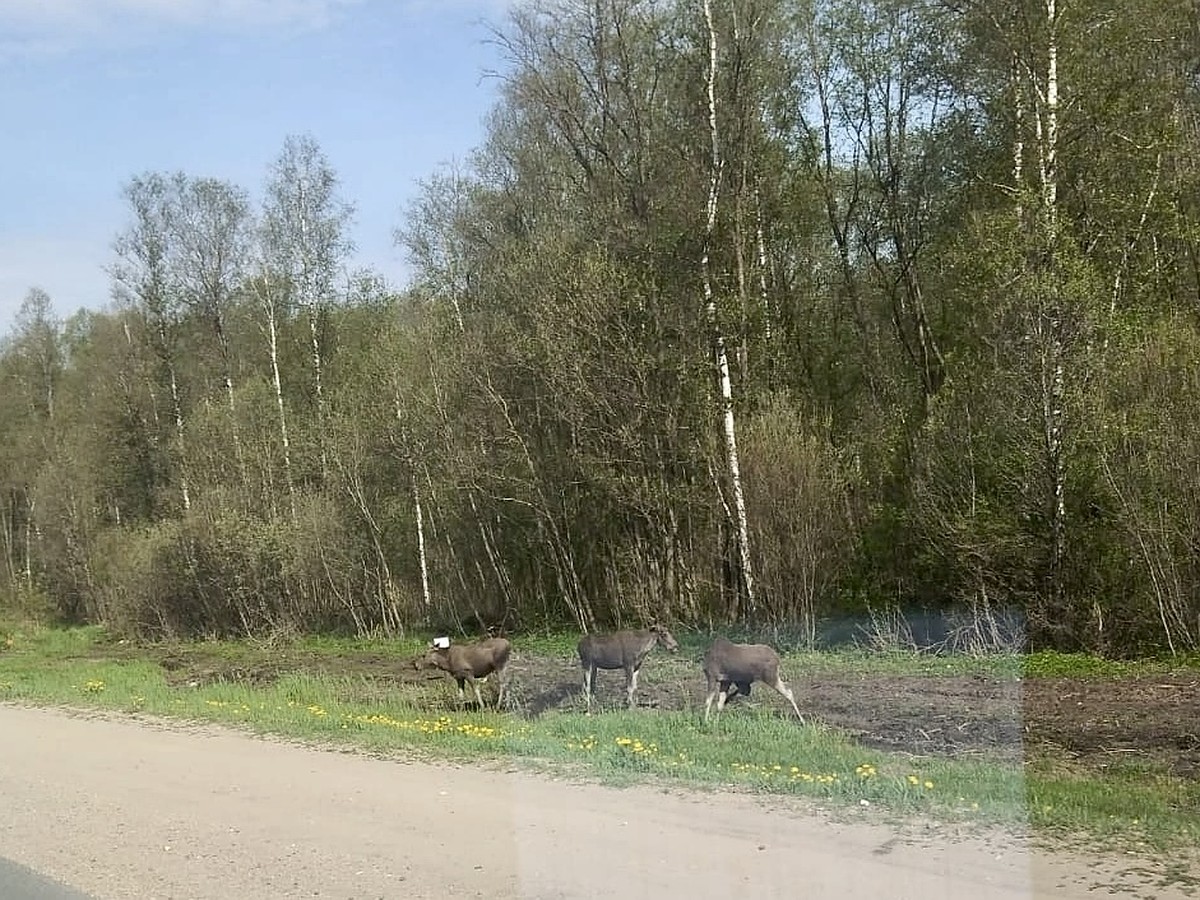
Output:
x=929 y=785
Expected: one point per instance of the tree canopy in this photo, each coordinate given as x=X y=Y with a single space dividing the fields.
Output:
x=777 y=311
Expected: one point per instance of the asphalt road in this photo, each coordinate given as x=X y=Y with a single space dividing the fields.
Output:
x=20 y=883
x=123 y=808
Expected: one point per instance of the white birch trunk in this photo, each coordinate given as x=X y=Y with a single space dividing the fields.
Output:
x=422 y=559
x=1018 y=142
x=29 y=542
x=313 y=302
x=271 y=324
x=177 y=410
x=1054 y=376
x=764 y=295
x=720 y=355
x=313 y=313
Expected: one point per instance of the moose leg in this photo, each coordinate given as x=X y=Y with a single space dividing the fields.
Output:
x=712 y=692
x=478 y=696
x=723 y=696
x=462 y=694
x=631 y=686
x=501 y=688
x=589 y=675
x=720 y=691
x=787 y=692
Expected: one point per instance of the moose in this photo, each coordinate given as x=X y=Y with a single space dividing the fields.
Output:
x=620 y=650
x=727 y=664
x=470 y=663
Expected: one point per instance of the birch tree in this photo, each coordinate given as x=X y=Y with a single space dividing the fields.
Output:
x=212 y=232
x=717 y=337
x=212 y=235
x=1051 y=319
x=143 y=278
x=306 y=245
x=31 y=373
x=270 y=298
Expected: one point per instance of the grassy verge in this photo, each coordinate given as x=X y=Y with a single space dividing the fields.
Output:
x=750 y=750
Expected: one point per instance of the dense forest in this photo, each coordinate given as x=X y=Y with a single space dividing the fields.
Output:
x=766 y=311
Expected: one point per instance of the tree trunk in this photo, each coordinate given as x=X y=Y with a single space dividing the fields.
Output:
x=319 y=396
x=720 y=356
x=177 y=411
x=422 y=559
x=271 y=325
x=1051 y=314
x=764 y=295
x=227 y=377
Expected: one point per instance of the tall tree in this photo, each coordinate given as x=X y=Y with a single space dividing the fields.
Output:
x=144 y=278
x=720 y=354
x=32 y=370
x=306 y=242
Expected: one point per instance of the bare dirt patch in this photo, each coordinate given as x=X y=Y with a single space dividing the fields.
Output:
x=1153 y=720
x=1093 y=722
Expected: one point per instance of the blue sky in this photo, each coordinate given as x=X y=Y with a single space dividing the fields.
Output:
x=95 y=91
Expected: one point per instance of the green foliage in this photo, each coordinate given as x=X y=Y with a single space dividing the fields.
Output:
x=798 y=496
x=897 y=299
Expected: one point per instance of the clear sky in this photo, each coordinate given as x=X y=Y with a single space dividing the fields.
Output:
x=95 y=91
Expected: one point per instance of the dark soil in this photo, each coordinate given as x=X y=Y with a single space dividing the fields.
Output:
x=1094 y=723
x=1107 y=722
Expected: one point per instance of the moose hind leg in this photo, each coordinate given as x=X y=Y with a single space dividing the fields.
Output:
x=787 y=692
x=631 y=687
x=501 y=688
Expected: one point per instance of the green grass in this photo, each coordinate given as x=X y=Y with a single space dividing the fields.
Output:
x=757 y=751
x=1048 y=664
x=746 y=749
x=1130 y=808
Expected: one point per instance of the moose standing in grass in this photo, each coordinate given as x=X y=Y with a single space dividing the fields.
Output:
x=620 y=650
x=470 y=663
x=737 y=666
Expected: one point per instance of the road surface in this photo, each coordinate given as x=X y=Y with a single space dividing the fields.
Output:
x=117 y=807
x=19 y=883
